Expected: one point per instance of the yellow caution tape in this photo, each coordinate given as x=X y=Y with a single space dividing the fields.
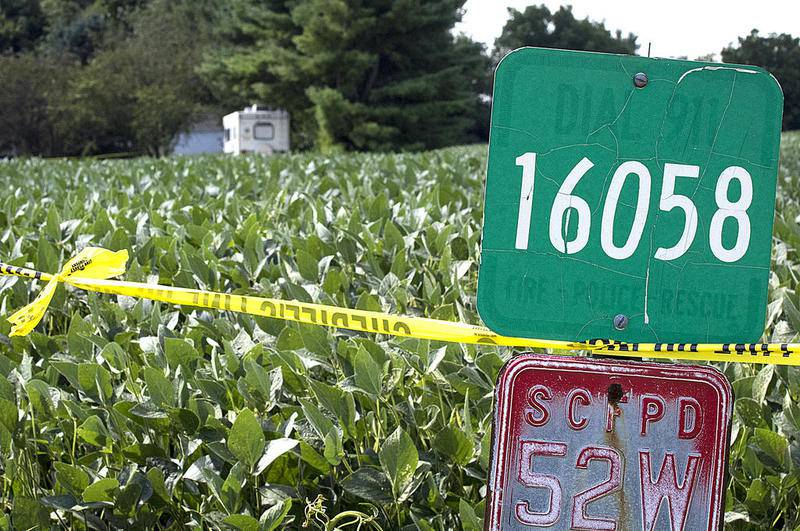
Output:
x=91 y=262
x=92 y=268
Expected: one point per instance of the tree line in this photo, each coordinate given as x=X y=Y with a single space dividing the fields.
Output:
x=85 y=77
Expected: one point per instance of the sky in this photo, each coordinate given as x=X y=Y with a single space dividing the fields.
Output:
x=674 y=28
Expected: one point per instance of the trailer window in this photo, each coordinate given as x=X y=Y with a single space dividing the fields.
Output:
x=227 y=135
x=263 y=131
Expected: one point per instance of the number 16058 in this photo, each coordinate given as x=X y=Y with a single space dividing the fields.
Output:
x=566 y=202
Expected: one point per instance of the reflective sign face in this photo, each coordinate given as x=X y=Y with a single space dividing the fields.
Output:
x=622 y=186
x=588 y=444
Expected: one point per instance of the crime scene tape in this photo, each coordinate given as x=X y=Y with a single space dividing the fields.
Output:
x=93 y=267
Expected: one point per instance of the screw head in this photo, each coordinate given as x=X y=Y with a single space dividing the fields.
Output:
x=640 y=80
x=620 y=322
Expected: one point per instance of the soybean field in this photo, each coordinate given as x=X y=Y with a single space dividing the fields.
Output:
x=124 y=413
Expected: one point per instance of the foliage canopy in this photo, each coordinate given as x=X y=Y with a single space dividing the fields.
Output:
x=126 y=413
x=780 y=55
x=355 y=74
x=538 y=26
x=103 y=77
x=85 y=77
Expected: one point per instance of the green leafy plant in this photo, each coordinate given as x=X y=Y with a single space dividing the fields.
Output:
x=118 y=412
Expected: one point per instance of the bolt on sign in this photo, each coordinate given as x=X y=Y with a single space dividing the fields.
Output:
x=629 y=198
x=589 y=444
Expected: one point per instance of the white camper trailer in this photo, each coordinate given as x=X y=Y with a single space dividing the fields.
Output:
x=256 y=130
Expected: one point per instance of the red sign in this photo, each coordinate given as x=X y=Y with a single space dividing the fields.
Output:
x=588 y=444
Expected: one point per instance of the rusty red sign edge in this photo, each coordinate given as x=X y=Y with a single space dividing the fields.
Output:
x=505 y=380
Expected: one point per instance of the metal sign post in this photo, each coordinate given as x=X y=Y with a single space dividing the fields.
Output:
x=629 y=199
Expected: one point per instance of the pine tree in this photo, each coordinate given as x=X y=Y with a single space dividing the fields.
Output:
x=356 y=74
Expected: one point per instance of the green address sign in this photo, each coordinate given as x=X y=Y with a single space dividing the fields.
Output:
x=629 y=198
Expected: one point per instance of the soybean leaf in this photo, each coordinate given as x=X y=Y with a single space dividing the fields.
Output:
x=469 y=521
x=333 y=451
x=417 y=479
x=139 y=453
x=274 y=516
x=275 y=448
x=246 y=439
x=160 y=389
x=63 y=502
x=307 y=265
x=392 y=237
x=761 y=383
x=116 y=358
x=743 y=387
x=95 y=381
x=266 y=384
x=230 y=492
x=422 y=524
x=338 y=402
x=775 y=446
x=368 y=374
x=313 y=458
x=101 y=490
x=156 y=478
x=70 y=478
x=179 y=353
x=454 y=444
x=370 y=484
x=78 y=342
x=243 y=522
x=750 y=412
x=94 y=432
x=39 y=396
x=315 y=339
x=289 y=339
x=322 y=424
x=27 y=513
x=399 y=458
x=757 y=492
x=434 y=359
x=185 y=420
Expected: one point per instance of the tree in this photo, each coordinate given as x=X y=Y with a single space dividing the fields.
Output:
x=30 y=85
x=106 y=75
x=21 y=25
x=80 y=29
x=355 y=74
x=780 y=55
x=538 y=26
x=138 y=94
x=75 y=29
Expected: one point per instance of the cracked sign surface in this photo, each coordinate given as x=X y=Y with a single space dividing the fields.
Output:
x=604 y=199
